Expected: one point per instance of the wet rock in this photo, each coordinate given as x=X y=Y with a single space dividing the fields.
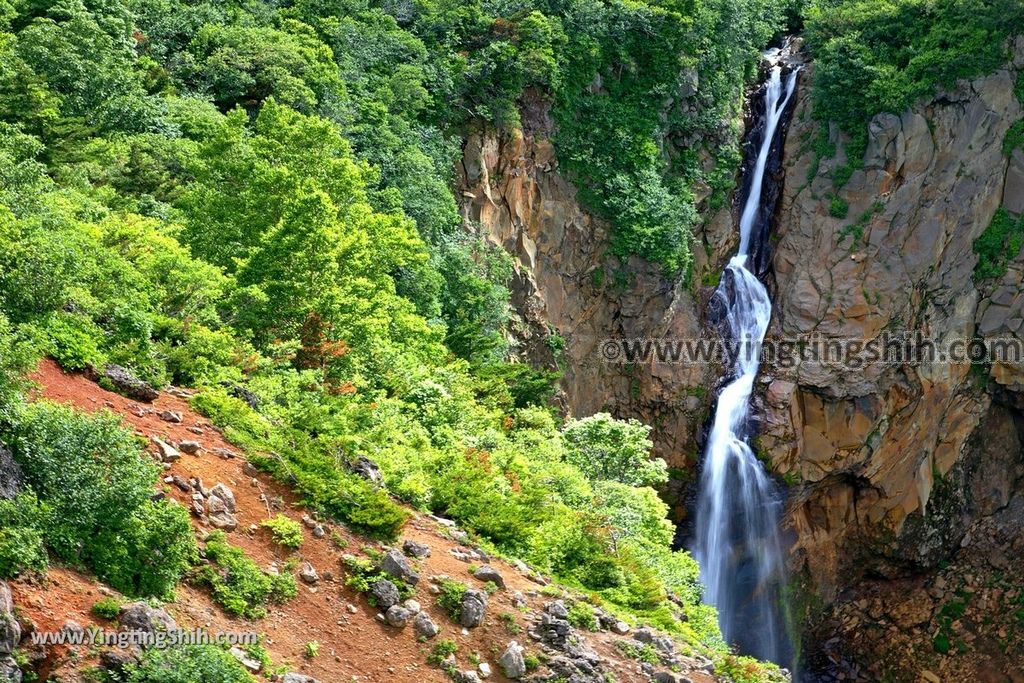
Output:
x=512 y=663
x=385 y=593
x=395 y=565
x=474 y=607
x=127 y=384
x=424 y=626
x=489 y=573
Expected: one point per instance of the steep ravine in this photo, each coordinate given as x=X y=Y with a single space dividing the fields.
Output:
x=904 y=479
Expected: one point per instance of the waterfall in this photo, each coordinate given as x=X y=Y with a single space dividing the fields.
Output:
x=738 y=541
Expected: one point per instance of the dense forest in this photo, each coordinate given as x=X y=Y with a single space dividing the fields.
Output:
x=255 y=198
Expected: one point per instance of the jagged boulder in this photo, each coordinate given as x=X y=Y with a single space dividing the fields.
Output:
x=394 y=564
x=385 y=593
x=424 y=626
x=367 y=469
x=512 y=663
x=474 y=607
x=221 y=508
x=138 y=616
x=126 y=383
x=12 y=479
x=293 y=677
x=10 y=629
x=489 y=573
x=414 y=549
x=398 y=616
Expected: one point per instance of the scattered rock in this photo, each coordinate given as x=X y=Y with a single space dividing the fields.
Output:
x=293 y=677
x=518 y=599
x=414 y=549
x=484 y=670
x=190 y=447
x=10 y=629
x=248 y=662
x=385 y=593
x=243 y=394
x=116 y=661
x=512 y=663
x=221 y=506
x=168 y=453
x=395 y=564
x=425 y=626
x=489 y=573
x=474 y=606
x=318 y=531
x=127 y=384
x=171 y=416
x=308 y=573
x=413 y=606
x=367 y=469
x=138 y=616
x=398 y=616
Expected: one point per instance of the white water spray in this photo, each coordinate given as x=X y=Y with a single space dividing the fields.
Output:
x=738 y=542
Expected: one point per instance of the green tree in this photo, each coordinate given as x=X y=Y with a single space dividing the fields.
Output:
x=605 y=448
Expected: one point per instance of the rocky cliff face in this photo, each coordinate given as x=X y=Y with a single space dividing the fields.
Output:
x=569 y=295
x=897 y=461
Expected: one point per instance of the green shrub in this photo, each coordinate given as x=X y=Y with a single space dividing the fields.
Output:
x=1014 y=137
x=187 y=664
x=605 y=448
x=94 y=484
x=582 y=615
x=107 y=608
x=286 y=531
x=838 y=207
x=21 y=535
x=997 y=245
x=450 y=597
x=441 y=650
x=238 y=583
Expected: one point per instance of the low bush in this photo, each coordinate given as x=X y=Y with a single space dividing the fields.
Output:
x=286 y=531
x=21 y=536
x=450 y=597
x=106 y=608
x=238 y=583
x=187 y=664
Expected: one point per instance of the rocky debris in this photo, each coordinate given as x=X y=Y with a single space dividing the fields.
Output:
x=308 y=522
x=221 y=508
x=10 y=628
x=172 y=416
x=512 y=663
x=484 y=669
x=180 y=482
x=424 y=626
x=466 y=555
x=293 y=677
x=242 y=393
x=394 y=564
x=385 y=593
x=414 y=549
x=166 y=451
x=116 y=661
x=127 y=384
x=10 y=672
x=398 y=616
x=245 y=660
x=138 y=616
x=518 y=599
x=190 y=447
x=308 y=573
x=225 y=453
x=413 y=606
x=660 y=642
x=474 y=607
x=488 y=573
x=12 y=479
x=367 y=469
x=466 y=677
x=318 y=531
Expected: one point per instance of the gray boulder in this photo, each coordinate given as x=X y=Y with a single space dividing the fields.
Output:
x=10 y=629
x=512 y=663
x=10 y=672
x=398 y=616
x=12 y=479
x=138 y=616
x=474 y=607
x=489 y=573
x=308 y=573
x=221 y=507
x=367 y=469
x=394 y=564
x=414 y=549
x=292 y=677
x=424 y=626
x=385 y=593
x=127 y=384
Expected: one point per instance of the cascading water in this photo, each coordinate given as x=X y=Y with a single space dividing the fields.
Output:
x=738 y=542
